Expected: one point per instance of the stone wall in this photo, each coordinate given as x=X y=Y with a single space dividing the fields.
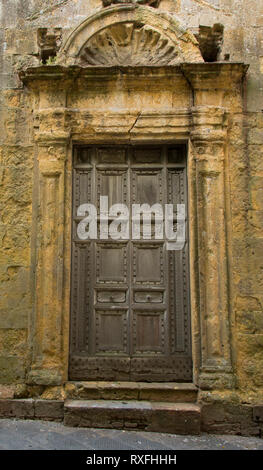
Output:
x=243 y=24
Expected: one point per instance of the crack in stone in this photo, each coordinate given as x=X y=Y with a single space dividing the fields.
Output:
x=135 y=122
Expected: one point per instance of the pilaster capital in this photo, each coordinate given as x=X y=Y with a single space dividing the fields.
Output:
x=209 y=125
x=214 y=75
x=216 y=82
x=47 y=138
x=208 y=115
x=51 y=168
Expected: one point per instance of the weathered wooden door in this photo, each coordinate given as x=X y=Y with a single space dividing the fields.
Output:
x=130 y=316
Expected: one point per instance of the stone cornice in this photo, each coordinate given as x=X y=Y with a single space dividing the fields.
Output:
x=214 y=75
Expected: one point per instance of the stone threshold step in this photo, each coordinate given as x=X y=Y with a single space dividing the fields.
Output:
x=175 y=418
x=154 y=391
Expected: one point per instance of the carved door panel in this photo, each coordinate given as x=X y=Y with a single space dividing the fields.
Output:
x=130 y=316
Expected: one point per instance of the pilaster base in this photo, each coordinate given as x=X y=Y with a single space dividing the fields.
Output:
x=45 y=377
x=216 y=380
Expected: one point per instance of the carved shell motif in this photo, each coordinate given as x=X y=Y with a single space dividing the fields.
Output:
x=128 y=44
x=153 y=3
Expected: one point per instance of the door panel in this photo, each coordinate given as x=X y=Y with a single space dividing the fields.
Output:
x=111 y=296
x=111 y=331
x=130 y=317
x=111 y=263
x=148 y=296
x=148 y=264
x=147 y=186
x=148 y=331
x=112 y=184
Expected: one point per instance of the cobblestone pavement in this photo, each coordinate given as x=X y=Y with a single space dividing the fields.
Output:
x=42 y=435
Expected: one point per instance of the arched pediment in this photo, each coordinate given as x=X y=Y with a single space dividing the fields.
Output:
x=130 y=35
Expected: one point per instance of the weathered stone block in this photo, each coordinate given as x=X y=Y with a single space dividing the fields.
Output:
x=250 y=373
x=9 y=80
x=16 y=185
x=48 y=377
x=255 y=153
x=181 y=418
x=49 y=409
x=7 y=391
x=249 y=345
x=256 y=191
x=174 y=393
x=255 y=137
x=17 y=156
x=15 y=235
x=258 y=413
x=15 y=304
x=255 y=218
x=17 y=408
x=52 y=393
x=226 y=418
x=102 y=390
x=250 y=322
x=13 y=341
x=16 y=318
x=12 y=369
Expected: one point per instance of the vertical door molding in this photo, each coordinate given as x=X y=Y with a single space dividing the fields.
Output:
x=208 y=137
x=47 y=342
x=217 y=91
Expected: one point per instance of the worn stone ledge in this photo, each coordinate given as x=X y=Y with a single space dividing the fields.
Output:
x=217 y=73
x=238 y=419
x=162 y=392
x=178 y=418
x=216 y=418
x=17 y=408
x=52 y=410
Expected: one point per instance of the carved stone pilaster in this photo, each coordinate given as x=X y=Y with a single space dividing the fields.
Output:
x=208 y=139
x=47 y=359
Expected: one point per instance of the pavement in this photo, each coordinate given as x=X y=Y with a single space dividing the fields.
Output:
x=42 y=435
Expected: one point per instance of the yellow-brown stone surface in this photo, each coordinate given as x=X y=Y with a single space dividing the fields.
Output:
x=38 y=119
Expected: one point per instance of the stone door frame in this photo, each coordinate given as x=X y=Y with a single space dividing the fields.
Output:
x=203 y=125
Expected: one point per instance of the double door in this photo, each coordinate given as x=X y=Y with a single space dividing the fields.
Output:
x=130 y=318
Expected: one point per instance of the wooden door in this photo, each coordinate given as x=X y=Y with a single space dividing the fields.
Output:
x=130 y=316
